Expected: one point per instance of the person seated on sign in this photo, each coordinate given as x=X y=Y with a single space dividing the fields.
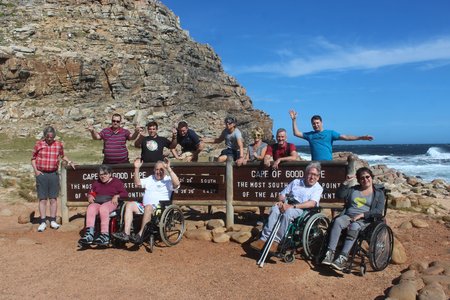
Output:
x=297 y=195
x=362 y=201
x=280 y=151
x=103 y=198
x=190 y=142
x=158 y=187
x=257 y=150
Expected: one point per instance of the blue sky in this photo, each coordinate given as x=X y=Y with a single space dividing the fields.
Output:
x=367 y=67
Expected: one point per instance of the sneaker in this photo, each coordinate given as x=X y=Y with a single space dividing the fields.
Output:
x=87 y=239
x=328 y=258
x=258 y=245
x=340 y=263
x=54 y=225
x=136 y=239
x=121 y=236
x=42 y=227
x=101 y=240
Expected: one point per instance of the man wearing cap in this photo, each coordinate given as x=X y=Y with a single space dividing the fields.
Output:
x=190 y=143
x=233 y=140
x=114 y=141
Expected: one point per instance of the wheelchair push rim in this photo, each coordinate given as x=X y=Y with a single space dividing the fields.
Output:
x=314 y=234
x=381 y=247
x=172 y=226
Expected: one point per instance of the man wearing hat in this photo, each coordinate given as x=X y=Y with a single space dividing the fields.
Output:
x=233 y=141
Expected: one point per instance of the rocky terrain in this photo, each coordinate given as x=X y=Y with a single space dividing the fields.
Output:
x=71 y=63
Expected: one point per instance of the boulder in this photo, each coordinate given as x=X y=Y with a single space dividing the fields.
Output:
x=240 y=237
x=398 y=253
x=403 y=291
x=198 y=234
x=432 y=291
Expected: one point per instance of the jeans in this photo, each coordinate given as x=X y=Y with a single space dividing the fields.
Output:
x=287 y=217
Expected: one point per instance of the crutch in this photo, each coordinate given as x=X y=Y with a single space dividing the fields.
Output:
x=269 y=242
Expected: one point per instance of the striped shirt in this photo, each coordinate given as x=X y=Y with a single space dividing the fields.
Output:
x=114 y=145
x=47 y=156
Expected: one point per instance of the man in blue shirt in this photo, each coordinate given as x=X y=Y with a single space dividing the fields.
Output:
x=320 y=140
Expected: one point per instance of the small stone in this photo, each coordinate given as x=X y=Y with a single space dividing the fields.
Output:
x=434 y=270
x=215 y=223
x=6 y=212
x=418 y=266
x=240 y=237
x=24 y=218
x=405 y=225
x=219 y=230
x=25 y=241
x=418 y=223
x=221 y=238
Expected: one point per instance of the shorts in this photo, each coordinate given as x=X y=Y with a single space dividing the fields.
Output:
x=141 y=206
x=231 y=152
x=47 y=185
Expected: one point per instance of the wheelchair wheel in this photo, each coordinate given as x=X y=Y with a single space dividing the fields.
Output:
x=289 y=258
x=314 y=233
x=381 y=246
x=171 y=225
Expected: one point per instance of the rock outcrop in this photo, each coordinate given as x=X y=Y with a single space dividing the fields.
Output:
x=71 y=63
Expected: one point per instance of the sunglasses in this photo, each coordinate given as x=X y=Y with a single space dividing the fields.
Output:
x=257 y=135
x=115 y=121
x=365 y=177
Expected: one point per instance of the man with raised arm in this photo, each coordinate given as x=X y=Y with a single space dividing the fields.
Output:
x=320 y=140
x=152 y=146
x=158 y=187
x=115 y=139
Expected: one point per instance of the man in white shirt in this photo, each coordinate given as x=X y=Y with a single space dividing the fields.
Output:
x=158 y=187
x=306 y=193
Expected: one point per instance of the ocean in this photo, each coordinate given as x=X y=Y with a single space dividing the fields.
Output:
x=427 y=161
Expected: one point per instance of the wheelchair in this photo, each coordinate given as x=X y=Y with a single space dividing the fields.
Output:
x=114 y=226
x=307 y=233
x=374 y=243
x=167 y=224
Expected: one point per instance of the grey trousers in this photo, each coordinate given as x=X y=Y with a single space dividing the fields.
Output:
x=343 y=222
x=286 y=219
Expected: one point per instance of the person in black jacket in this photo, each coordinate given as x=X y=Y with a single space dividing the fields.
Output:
x=362 y=202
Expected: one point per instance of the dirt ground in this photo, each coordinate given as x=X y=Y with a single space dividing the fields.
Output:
x=49 y=265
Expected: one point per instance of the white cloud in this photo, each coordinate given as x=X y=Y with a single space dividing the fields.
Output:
x=340 y=58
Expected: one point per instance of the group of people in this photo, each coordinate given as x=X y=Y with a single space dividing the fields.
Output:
x=361 y=201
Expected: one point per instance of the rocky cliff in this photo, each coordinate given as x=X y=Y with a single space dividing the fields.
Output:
x=73 y=62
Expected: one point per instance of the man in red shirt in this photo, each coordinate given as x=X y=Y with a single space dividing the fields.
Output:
x=281 y=151
x=45 y=161
x=115 y=141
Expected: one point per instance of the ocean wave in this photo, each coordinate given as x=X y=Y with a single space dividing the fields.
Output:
x=437 y=153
